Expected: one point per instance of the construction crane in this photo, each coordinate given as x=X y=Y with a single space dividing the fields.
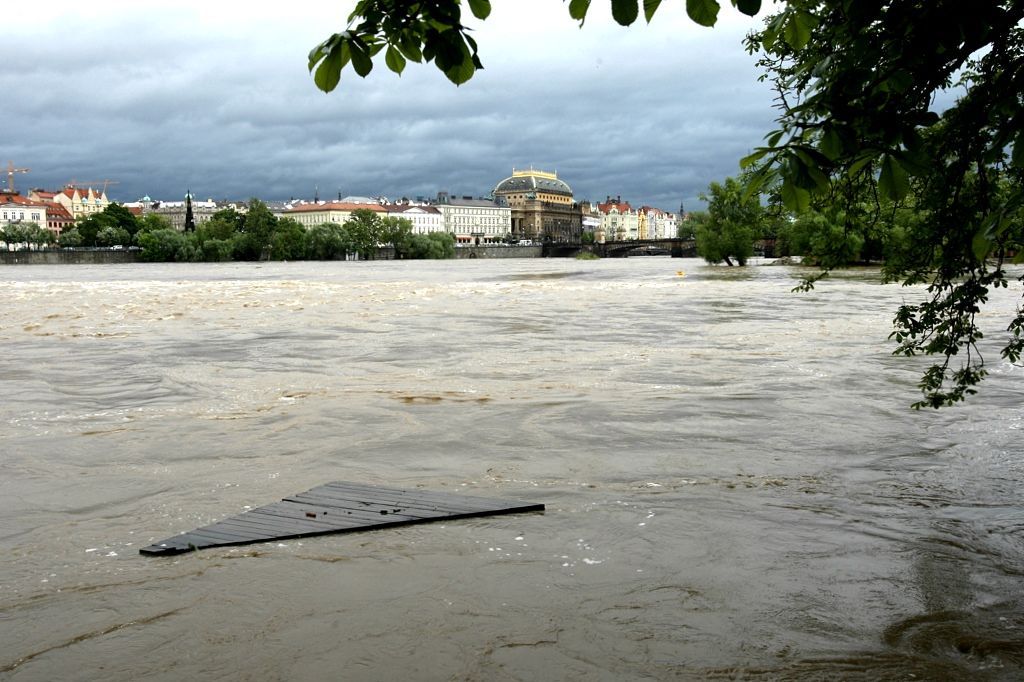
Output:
x=11 y=170
x=92 y=183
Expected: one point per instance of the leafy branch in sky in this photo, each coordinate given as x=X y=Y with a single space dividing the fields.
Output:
x=856 y=85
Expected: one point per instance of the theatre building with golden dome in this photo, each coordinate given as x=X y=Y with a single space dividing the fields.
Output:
x=542 y=206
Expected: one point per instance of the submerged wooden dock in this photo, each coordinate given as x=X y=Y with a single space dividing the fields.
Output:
x=338 y=507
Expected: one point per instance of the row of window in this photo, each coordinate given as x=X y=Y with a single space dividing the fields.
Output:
x=20 y=215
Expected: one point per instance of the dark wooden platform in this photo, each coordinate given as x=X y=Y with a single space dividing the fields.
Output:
x=337 y=507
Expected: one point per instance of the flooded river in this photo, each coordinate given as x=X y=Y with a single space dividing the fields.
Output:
x=735 y=484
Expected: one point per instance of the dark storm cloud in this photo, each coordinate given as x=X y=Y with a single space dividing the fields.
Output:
x=183 y=96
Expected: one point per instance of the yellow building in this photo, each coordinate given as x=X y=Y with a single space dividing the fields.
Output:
x=311 y=215
x=542 y=206
x=80 y=203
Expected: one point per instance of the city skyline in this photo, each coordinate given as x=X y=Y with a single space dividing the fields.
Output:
x=203 y=97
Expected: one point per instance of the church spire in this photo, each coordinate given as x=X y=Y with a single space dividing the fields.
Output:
x=190 y=223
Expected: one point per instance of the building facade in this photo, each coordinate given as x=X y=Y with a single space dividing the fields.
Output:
x=176 y=212
x=542 y=207
x=659 y=224
x=79 y=202
x=475 y=221
x=619 y=222
x=424 y=219
x=16 y=209
x=311 y=215
x=58 y=219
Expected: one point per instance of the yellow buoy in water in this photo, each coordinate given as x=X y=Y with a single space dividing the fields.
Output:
x=680 y=273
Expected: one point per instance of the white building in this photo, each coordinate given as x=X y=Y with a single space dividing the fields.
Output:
x=311 y=215
x=660 y=224
x=424 y=219
x=15 y=209
x=619 y=222
x=474 y=221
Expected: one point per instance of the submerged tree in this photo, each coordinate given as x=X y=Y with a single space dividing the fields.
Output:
x=734 y=221
x=856 y=83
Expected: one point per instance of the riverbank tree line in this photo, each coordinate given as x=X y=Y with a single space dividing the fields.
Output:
x=253 y=234
x=830 y=232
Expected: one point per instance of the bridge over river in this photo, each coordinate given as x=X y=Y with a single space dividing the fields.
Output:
x=677 y=248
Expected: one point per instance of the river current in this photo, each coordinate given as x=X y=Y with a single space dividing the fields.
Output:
x=735 y=484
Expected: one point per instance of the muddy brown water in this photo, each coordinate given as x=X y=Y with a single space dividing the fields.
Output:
x=735 y=485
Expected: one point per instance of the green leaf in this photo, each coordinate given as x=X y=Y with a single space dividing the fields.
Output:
x=481 y=9
x=858 y=165
x=410 y=47
x=831 y=144
x=755 y=181
x=578 y=9
x=461 y=72
x=771 y=32
x=625 y=12
x=797 y=32
x=893 y=181
x=981 y=245
x=361 y=61
x=748 y=7
x=773 y=138
x=394 y=59
x=329 y=72
x=1017 y=158
x=319 y=52
x=751 y=159
x=795 y=198
x=650 y=7
x=819 y=177
x=704 y=12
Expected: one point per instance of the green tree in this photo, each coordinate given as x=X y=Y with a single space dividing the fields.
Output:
x=71 y=238
x=734 y=221
x=288 y=241
x=257 y=230
x=13 y=235
x=855 y=100
x=398 y=233
x=435 y=245
x=151 y=222
x=366 y=229
x=223 y=225
x=166 y=245
x=328 y=241
x=213 y=250
x=27 y=236
x=687 y=227
x=114 y=216
x=856 y=85
x=113 y=236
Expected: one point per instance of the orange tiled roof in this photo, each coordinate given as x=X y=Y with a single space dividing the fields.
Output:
x=69 y=192
x=56 y=211
x=620 y=206
x=9 y=198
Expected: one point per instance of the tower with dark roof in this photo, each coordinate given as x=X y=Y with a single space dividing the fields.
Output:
x=190 y=223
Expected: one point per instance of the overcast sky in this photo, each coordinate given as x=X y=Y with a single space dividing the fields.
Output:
x=163 y=96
